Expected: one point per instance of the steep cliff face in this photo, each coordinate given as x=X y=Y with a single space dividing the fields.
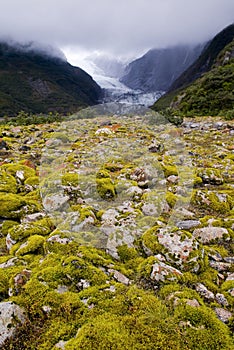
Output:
x=35 y=82
x=206 y=88
x=206 y=60
x=158 y=68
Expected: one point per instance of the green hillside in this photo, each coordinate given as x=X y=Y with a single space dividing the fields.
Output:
x=212 y=91
x=35 y=83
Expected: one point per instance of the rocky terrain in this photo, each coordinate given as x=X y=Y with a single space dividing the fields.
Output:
x=117 y=233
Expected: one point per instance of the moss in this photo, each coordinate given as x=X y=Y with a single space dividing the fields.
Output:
x=145 y=268
x=7 y=224
x=105 y=188
x=150 y=241
x=171 y=199
x=84 y=211
x=13 y=168
x=35 y=245
x=202 y=329
x=169 y=169
x=32 y=181
x=12 y=205
x=7 y=182
x=70 y=179
x=22 y=231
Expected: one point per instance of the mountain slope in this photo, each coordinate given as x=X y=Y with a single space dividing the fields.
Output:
x=207 y=86
x=38 y=83
x=158 y=68
x=206 y=59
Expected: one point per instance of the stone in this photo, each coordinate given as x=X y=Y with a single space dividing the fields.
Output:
x=162 y=272
x=188 y=224
x=207 y=234
x=204 y=292
x=12 y=316
x=220 y=298
x=61 y=344
x=58 y=239
x=3 y=145
x=223 y=315
x=119 y=277
x=220 y=266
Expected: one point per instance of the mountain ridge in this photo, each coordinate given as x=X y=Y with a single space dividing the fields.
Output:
x=38 y=83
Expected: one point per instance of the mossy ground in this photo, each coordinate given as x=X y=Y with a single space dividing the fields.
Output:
x=89 y=299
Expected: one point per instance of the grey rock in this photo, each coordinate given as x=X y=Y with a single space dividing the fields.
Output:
x=220 y=266
x=188 y=224
x=220 y=298
x=162 y=272
x=58 y=239
x=204 y=292
x=207 y=234
x=12 y=316
x=223 y=315
x=119 y=277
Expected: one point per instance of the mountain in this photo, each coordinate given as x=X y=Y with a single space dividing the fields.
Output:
x=207 y=86
x=36 y=81
x=158 y=68
x=112 y=67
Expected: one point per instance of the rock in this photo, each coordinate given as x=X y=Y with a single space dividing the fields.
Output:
x=230 y=277
x=12 y=316
x=9 y=263
x=220 y=298
x=104 y=131
x=156 y=147
x=55 y=202
x=62 y=289
x=119 y=277
x=150 y=209
x=58 y=239
x=208 y=234
x=162 y=272
x=210 y=176
x=193 y=303
x=204 y=292
x=188 y=224
x=173 y=179
x=3 y=145
x=33 y=217
x=61 y=344
x=223 y=315
x=220 y=266
x=83 y=284
x=9 y=241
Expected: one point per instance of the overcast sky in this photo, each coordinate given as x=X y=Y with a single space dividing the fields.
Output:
x=120 y=27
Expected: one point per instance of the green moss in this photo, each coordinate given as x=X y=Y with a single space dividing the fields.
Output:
x=150 y=241
x=13 y=168
x=7 y=224
x=202 y=329
x=70 y=179
x=32 y=181
x=35 y=245
x=171 y=199
x=12 y=205
x=22 y=231
x=7 y=182
x=169 y=169
x=105 y=188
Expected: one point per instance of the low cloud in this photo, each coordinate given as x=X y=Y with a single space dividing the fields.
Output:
x=118 y=27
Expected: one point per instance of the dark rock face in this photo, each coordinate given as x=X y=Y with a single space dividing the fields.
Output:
x=158 y=68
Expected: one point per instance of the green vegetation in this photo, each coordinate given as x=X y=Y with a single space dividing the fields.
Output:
x=35 y=83
x=85 y=281
x=206 y=88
